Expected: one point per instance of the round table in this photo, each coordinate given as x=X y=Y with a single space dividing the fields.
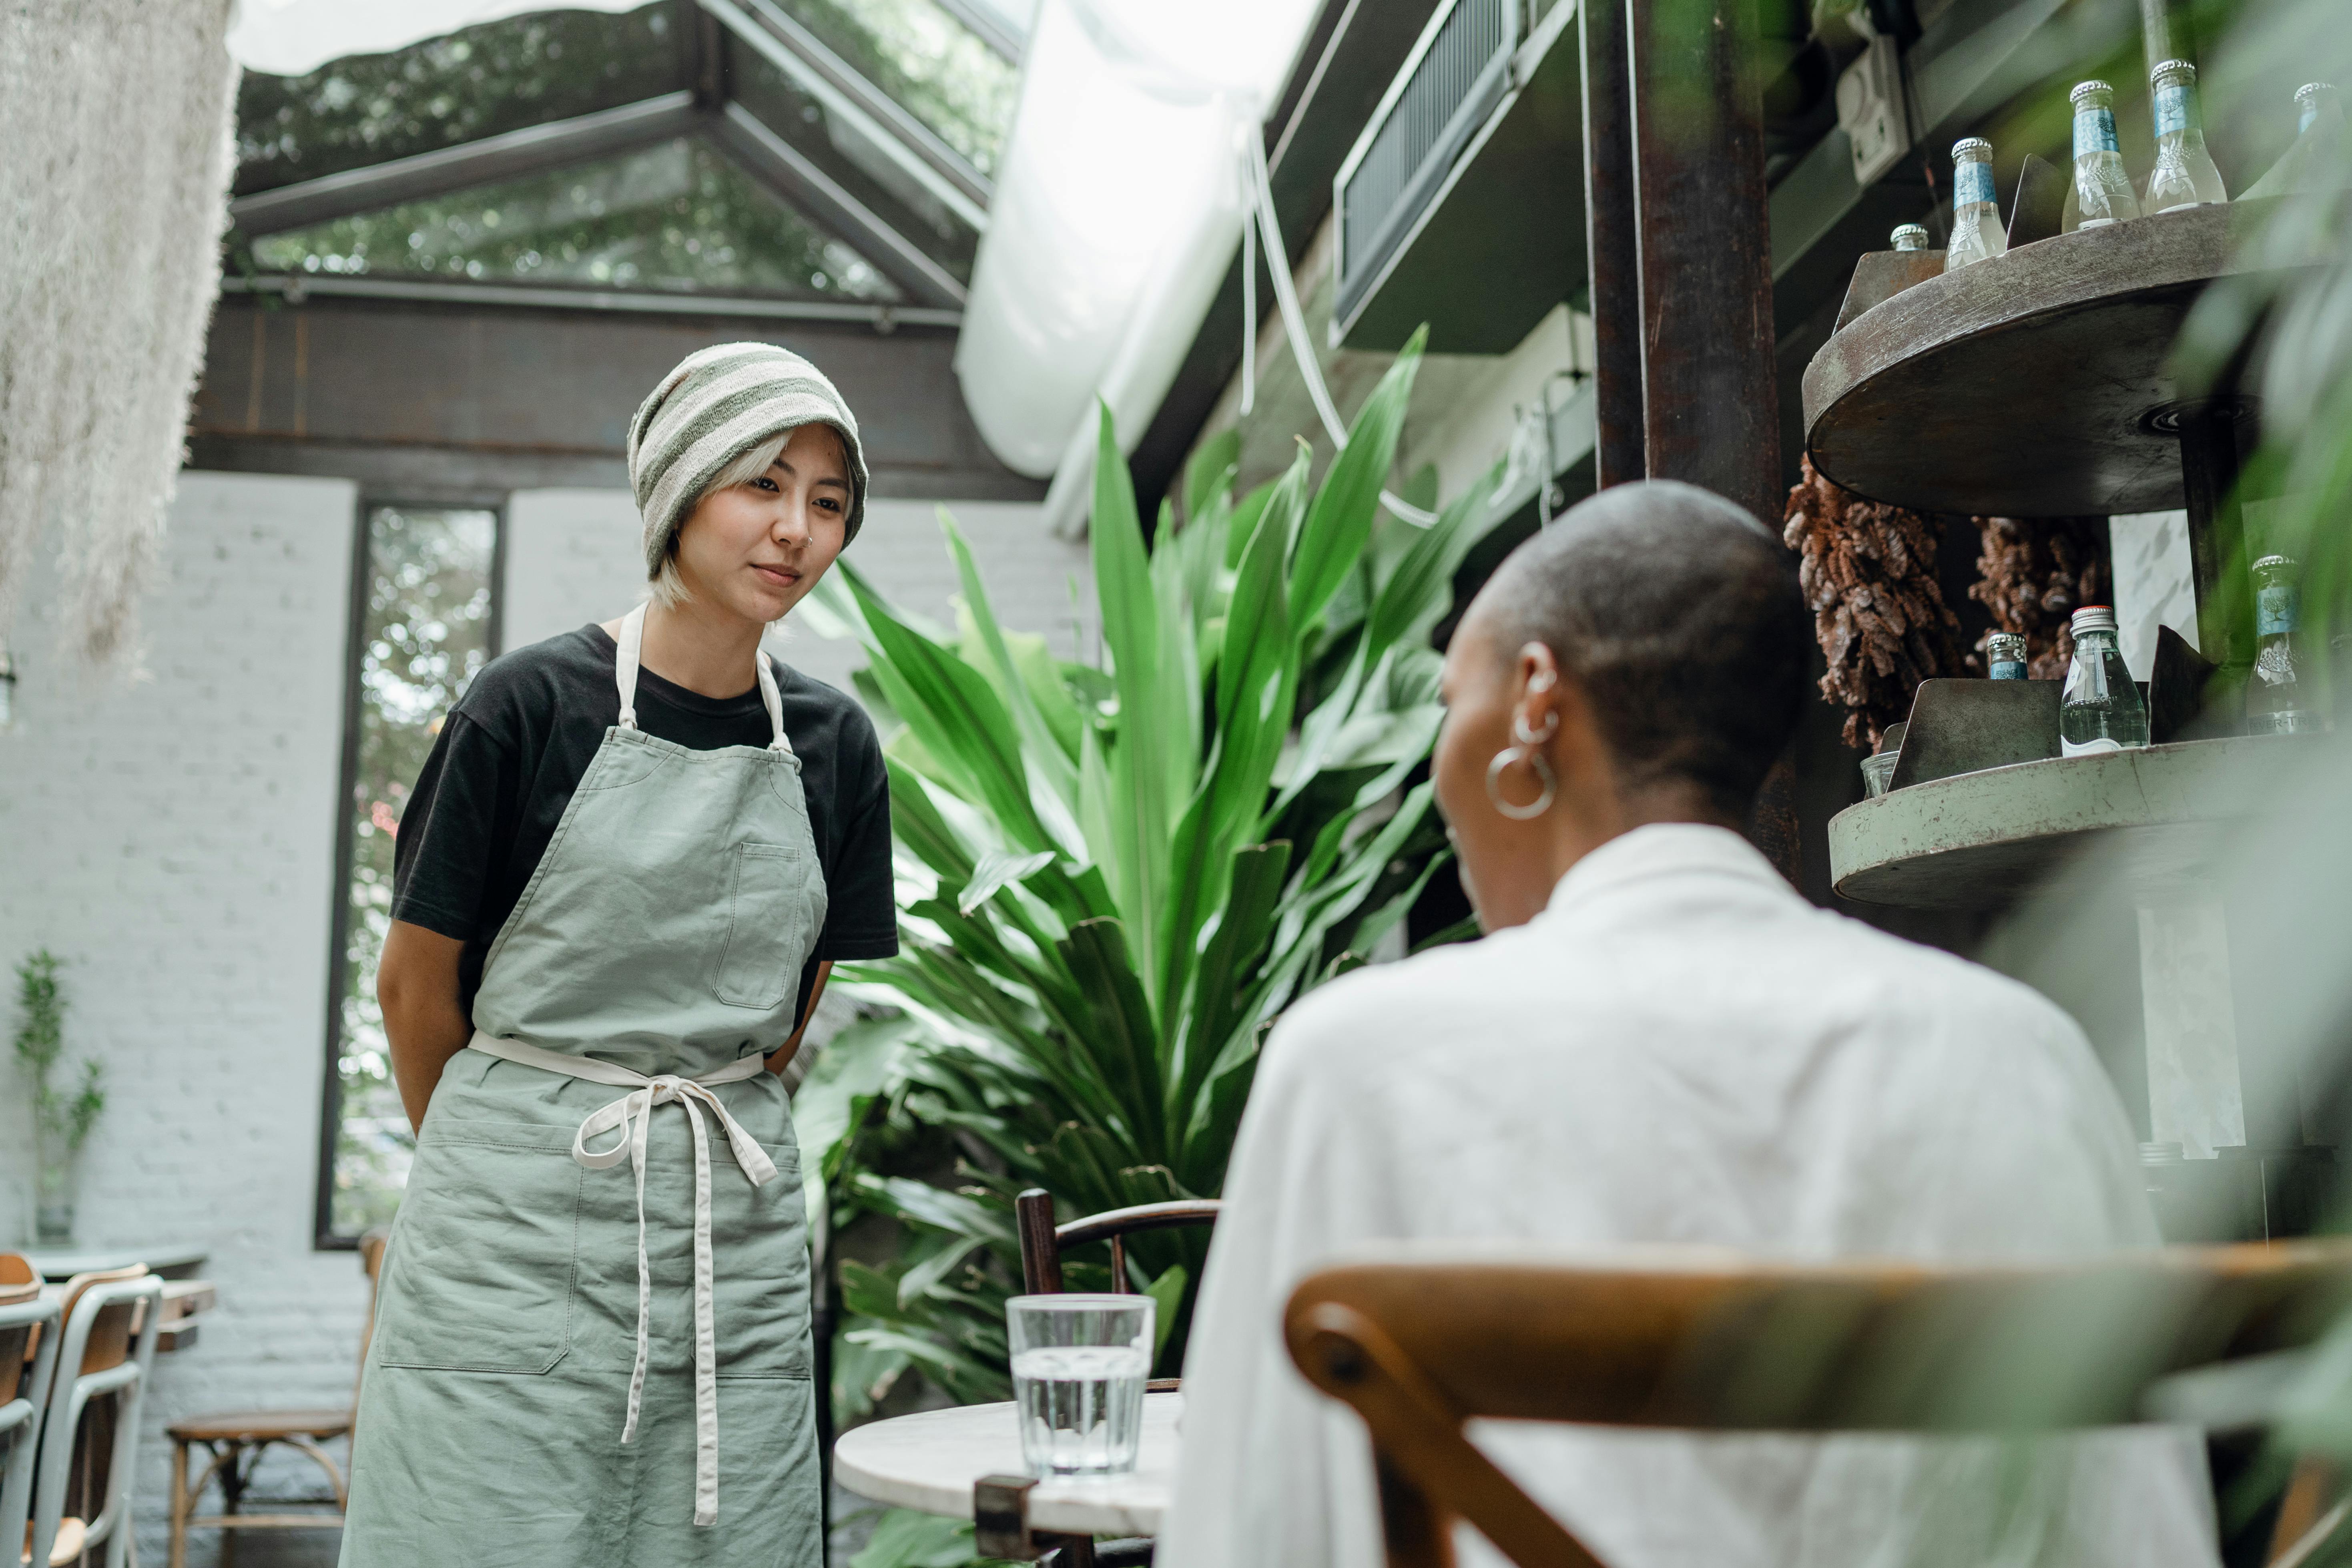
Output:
x=930 y=1461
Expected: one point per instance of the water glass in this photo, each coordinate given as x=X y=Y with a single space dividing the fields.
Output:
x=1079 y=1368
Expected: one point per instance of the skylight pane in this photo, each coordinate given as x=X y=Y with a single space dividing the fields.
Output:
x=480 y=81
x=921 y=56
x=676 y=216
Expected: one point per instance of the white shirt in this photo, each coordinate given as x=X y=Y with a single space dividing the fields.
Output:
x=1678 y=1049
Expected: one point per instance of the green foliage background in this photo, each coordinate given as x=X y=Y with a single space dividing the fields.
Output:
x=1114 y=878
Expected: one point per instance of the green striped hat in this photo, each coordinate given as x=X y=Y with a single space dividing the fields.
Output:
x=719 y=403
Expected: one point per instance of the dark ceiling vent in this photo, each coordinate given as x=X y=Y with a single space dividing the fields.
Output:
x=1454 y=78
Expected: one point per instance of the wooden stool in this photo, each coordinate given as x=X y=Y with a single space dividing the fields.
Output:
x=234 y=1444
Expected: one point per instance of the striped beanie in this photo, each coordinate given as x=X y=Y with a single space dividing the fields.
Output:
x=719 y=403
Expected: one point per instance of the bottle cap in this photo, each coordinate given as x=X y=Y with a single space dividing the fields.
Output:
x=2270 y=563
x=2172 y=68
x=2083 y=89
x=1910 y=236
x=2005 y=647
x=2311 y=89
x=1971 y=147
x=2094 y=618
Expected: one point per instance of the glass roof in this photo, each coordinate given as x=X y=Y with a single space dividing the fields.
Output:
x=502 y=75
x=922 y=56
x=675 y=216
x=682 y=215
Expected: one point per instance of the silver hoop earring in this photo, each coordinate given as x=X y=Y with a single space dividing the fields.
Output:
x=1534 y=758
x=1527 y=737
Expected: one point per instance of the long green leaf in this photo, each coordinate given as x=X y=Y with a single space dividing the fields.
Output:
x=1417 y=592
x=1342 y=517
x=1041 y=748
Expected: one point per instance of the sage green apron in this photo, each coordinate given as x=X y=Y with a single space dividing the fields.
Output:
x=592 y=1346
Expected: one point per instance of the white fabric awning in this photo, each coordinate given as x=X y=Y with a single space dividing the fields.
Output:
x=290 y=38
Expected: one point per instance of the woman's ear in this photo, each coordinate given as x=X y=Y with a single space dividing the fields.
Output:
x=1534 y=712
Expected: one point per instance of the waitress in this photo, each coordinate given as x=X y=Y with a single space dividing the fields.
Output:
x=626 y=869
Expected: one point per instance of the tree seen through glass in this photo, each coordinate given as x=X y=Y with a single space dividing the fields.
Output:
x=426 y=636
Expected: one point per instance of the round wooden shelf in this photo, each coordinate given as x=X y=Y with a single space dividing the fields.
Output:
x=1977 y=841
x=2033 y=384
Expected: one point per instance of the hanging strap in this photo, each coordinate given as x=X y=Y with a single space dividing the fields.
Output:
x=630 y=1116
x=624 y=676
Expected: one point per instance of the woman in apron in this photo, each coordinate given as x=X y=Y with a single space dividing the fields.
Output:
x=626 y=868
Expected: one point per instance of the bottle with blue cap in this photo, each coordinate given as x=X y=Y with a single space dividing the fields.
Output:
x=1908 y=236
x=2005 y=652
x=2101 y=709
x=2277 y=700
x=2101 y=192
x=1976 y=216
x=2317 y=158
x=2184 y=175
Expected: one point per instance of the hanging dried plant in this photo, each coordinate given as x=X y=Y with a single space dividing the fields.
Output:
x=2034 y=574
x=115 y=186
x=1869 y=574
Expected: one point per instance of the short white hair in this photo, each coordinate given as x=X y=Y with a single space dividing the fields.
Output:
x=666 y=588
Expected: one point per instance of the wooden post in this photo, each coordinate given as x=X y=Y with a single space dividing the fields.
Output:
x=1710 y=398
x=1613 y=257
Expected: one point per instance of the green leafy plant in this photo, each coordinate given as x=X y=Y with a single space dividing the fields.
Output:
x=1114 y=878
x=62 y=1117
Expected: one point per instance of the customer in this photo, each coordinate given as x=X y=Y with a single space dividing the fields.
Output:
x=1661 y=1042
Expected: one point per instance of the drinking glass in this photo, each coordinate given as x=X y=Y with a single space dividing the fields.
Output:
x=1079 y=1368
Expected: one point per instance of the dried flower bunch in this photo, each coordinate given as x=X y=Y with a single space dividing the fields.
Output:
x=1869 y=574
x=2034 y=574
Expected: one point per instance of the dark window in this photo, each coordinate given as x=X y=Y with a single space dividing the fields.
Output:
x=424 y=605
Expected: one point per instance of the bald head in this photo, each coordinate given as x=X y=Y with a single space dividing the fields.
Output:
x=1677 y=615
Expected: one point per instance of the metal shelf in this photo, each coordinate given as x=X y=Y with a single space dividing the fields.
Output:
x=2032 y=385
x=1978 y=840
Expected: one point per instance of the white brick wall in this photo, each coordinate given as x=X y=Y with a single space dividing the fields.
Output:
x=173 y=838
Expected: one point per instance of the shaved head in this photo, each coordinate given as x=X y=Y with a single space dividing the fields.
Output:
x=1677 y=615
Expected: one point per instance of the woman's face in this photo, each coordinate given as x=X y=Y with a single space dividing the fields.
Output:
x=755 y=549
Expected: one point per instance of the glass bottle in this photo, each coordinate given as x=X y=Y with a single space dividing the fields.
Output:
x=1976 y=216
x=2320 y=142
x=2101 y=709
x=2277 y=701
x=2005 y=652
x=1909 y=237
x=2184 y=175
x=2101 y=192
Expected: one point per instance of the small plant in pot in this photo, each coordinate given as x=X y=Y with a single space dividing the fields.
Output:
x=62 y=1117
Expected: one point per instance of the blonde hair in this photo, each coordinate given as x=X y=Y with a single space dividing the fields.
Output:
x=669 y=589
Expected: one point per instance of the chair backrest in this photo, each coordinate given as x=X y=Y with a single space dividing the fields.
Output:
x=19 y=1335
x=97 y=1359
x=1041 y=1241
x=28 y=1337
x=1423 y=1338
x=109 y=1344
x=373 y=1245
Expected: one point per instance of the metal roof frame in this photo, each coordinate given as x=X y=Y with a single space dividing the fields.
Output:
x=701 y=107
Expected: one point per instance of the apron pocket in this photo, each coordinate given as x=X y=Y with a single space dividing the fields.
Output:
x=768 y=927
x=762 y=1295
x=482 y=1259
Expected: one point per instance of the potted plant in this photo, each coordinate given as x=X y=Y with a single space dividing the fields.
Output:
x=62 y=1117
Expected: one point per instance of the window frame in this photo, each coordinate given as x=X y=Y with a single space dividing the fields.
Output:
x=324 y=1237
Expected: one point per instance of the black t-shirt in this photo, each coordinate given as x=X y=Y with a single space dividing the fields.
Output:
x=518 y=742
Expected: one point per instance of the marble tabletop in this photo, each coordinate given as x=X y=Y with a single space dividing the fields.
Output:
x=930 y=1461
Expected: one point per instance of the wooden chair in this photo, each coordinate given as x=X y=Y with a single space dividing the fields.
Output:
x=234 y=1444
x=1042 y=1242
x=1420 y=1339
x=29 y=1358
x=109 y=1322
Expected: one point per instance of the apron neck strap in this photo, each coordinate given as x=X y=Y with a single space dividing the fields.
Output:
x=624 y=663
x=624 y=676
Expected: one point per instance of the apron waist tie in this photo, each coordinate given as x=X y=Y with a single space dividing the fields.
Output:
x=630 y=1116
